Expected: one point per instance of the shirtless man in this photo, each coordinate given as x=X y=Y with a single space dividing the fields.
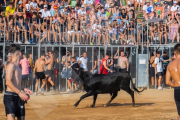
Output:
x=39 y=69
x=173 y=71
x=123 y=62
x=13 y=97
x=49 y=72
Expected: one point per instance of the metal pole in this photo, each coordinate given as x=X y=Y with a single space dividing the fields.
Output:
x=155 y=73
x=59 y=68
x=66 y=69
x=4 y=45
x=32 y=68
x=142 y=40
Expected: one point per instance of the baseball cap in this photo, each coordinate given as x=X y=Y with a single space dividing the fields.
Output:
x=20 y=2
x=165 y=2
x=147 y=1
x=158 y=3
x=82 y=6
x=72 y=7
x=175 y=2
x=45 y=6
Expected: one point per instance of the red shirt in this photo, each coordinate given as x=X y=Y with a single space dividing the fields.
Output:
x=104 y=71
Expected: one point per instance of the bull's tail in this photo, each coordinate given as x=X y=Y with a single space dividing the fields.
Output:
x=135 y=89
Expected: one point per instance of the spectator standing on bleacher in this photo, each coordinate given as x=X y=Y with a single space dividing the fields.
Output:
x=148 y=10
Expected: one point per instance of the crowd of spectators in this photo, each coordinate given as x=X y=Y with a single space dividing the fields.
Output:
x=90 y=21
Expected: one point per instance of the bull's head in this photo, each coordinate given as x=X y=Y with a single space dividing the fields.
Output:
x=77 y=72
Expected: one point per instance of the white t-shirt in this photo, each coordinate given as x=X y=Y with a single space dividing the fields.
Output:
x=64 y=12
x=82 y=12
x=84 y=63
x=174 y=8
x=97 y=27
x=45 y=14
x=88 y=2
x=27 y=7
x=148 y=9
x=159 y=64
x=33 y=4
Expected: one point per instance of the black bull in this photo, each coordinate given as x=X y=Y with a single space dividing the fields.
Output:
x=101 y=84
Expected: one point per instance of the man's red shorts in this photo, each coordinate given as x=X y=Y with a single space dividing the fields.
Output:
x=55 y=71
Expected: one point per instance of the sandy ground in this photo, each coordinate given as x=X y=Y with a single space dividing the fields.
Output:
x=150 y=105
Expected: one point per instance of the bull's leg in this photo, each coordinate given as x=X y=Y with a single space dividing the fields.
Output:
x=128 y=90
x=113 y=96
x=89 y=93
x=94 y=102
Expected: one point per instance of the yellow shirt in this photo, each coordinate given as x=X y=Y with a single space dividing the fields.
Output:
x=11 y=11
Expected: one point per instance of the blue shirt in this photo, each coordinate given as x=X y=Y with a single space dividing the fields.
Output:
x=52 y=13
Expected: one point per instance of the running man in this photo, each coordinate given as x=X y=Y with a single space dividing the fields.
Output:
x=173 y=71
x=39 y=69
x=13 y=97
x=49 y=72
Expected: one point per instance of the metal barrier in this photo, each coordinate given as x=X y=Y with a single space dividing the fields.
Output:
x=66 y=32
x=60 y=52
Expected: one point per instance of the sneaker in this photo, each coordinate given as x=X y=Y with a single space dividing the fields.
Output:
x=91 y=43
x=35 y=93
x=78 y=43
x=19 y=42
x=68 y=90
x=15 y=42
x=41 y=92
x=151 y=43
x=49 y=42
x=27 y=42
x=160 y=88
x=55 y=43
x=108 y=44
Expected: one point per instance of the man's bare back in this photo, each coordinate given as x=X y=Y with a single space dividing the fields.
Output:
x=40 y=65
x=173 y=71
x=14 y=71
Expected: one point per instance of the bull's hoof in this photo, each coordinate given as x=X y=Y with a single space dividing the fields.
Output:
x=75 y=106
x=92 y=106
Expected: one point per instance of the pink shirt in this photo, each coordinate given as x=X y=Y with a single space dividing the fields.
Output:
x=24 y=64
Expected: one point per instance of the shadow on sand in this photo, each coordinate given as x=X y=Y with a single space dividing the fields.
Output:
x=130 y=104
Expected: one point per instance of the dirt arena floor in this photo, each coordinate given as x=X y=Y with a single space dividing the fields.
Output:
x=150 y=105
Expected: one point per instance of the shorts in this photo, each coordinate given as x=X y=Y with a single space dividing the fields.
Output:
x=123 y=70
x=25 y=77
x=152 y=72
x=40 y=75
x=49 y=73
x=70 y=32
x=30 y=76
x=28 y=15
x=95 y=71
x=13 y=104
x=1 y=1
x=159 y=74
x=56 y=71
x=177 y=98
x=169 y=3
